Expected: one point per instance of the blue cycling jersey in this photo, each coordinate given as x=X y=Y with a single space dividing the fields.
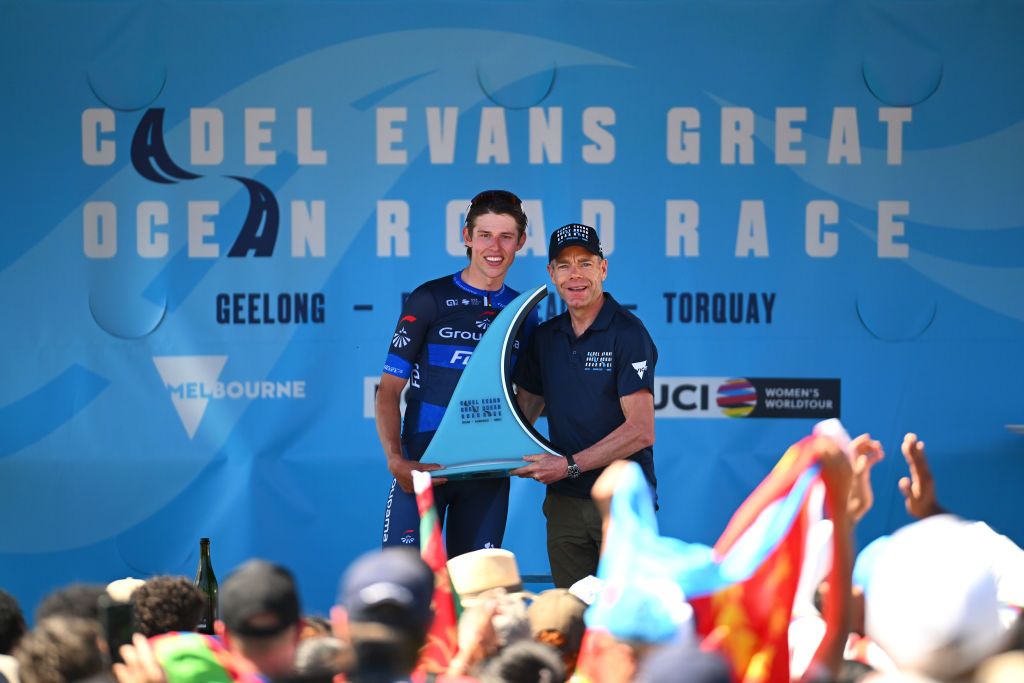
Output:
x=442 y=321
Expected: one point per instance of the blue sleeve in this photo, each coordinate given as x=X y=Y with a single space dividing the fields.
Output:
x=635 y=356
x=410 y=334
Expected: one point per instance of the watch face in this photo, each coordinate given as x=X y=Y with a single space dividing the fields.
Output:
x=573 y=471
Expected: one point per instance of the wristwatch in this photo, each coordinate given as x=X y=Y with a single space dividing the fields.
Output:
x=573 y=471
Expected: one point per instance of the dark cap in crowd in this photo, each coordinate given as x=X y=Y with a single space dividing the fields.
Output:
x=574 y=235
x=393 y=586
x=683 y=662
x=259 y=599
x=559 y=610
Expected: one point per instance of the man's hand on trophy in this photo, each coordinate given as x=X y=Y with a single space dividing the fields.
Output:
x=547 y=469
x=402 y=469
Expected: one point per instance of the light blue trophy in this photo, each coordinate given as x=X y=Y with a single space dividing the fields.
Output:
x=482 y=433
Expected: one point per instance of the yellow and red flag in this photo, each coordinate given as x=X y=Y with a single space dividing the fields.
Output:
x=766 y=536
x=741 y=591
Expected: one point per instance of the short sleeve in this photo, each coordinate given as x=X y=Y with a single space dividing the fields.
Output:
x=410 y=334
x=636 y=357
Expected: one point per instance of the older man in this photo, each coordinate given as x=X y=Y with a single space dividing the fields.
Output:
x=593 y=367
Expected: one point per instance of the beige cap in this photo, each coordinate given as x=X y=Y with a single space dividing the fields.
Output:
x=122 y=589
x=559 y=610
x=480 y=570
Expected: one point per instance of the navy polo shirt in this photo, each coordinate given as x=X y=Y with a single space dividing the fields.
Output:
x=582 y=379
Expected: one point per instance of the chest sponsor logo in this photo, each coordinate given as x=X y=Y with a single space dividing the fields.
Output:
x=402 y=338
x=756 y=397
x=486 y=318
x=598 y=361
x=453 y=333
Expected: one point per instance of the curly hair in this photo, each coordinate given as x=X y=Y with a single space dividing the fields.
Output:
x=166 y=603
x=12 y=622
x=58 y=650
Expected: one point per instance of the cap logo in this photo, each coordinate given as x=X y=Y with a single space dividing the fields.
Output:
x=376 y=593
x=572 y=232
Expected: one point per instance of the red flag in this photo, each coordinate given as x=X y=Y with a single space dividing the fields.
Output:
x=751 y=618
x=442 y=641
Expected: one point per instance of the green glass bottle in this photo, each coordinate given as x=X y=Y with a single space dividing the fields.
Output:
x=206 y=582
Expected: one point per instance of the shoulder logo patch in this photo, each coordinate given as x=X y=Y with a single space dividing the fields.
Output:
x=640 y=368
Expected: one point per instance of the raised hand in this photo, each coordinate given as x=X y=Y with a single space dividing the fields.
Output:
x=919 y=488
x=866 y=453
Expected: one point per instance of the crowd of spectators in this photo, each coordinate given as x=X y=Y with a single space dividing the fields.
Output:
x=936 y=601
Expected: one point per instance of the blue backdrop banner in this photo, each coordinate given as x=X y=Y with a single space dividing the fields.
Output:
x=212 y=211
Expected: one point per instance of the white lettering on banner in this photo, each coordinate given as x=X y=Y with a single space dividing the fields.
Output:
x=147 y=216
x=454 y=220
x=682 y=218
x=206 y=136
x=736 y=136
x=894 y=118
x=257 y=134
x=99 y=229
x=309 y=229
x=600 y=215
x=199 y=228
x=392 y=227
x=889 y=229
x=595 y=126
x=306 y=155
x=680 y=147
x=193 y=381
x=817 y=243
x=844 y=139
x=545 y=135
x=389 y=135
x=786 y=135
x=492 y=145
x=544 y=144
x=752 y=232
x=441 y=127
x=97 y=151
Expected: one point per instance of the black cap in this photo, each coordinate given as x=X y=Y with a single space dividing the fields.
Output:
x=393 y=584
x=259 y=599
x=574 y=235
